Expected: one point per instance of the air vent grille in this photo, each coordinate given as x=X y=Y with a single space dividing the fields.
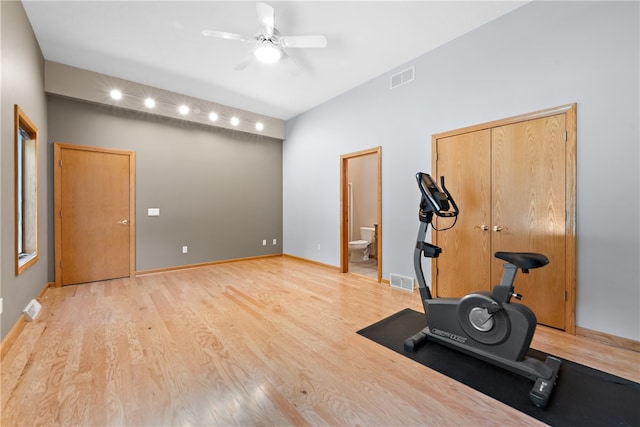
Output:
x=403 y=77
x=405 y=283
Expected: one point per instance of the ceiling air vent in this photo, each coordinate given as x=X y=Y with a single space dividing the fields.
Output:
x=403 y=77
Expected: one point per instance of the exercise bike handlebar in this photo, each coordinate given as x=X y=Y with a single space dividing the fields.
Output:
x=434 y=200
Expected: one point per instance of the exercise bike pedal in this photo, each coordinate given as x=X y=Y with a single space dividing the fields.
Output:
x=542 y=388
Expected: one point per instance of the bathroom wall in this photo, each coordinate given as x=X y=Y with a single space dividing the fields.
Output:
x=363 y=172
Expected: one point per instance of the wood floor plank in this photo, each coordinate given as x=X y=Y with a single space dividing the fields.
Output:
x=259 y=342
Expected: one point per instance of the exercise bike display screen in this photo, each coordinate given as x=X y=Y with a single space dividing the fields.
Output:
x=436 y=199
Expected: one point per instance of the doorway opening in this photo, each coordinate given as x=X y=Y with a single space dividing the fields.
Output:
x=361 y=207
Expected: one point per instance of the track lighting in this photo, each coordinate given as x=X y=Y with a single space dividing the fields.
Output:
x=116 y=94
x=183 y=109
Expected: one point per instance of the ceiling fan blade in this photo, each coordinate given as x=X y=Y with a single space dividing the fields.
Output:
x=266 y=16
x=228 y=36
x=303 y=41
x=294 y=67
x=244 y=63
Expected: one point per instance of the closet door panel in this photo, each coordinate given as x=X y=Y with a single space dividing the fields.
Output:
x=464 y=267
x=528 y=206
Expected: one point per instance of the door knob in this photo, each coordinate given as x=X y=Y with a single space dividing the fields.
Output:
x=482 y=227
x=123 y=222
x=497 y=228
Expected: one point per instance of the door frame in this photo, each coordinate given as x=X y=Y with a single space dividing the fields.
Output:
x=57 y=202
x=344 y=208
x=569 y=110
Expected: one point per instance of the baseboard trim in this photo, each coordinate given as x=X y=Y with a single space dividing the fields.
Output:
x=224 y=261
x=319 y=264
x=203 y=264
x=17 y=328
x=612 y=340
x=11 y=337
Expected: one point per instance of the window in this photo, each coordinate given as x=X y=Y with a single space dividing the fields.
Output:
x=26 y=191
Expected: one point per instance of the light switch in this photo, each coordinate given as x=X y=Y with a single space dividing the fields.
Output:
x=153 y=212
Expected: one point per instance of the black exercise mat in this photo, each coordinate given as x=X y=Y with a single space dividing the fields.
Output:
x=582 y=397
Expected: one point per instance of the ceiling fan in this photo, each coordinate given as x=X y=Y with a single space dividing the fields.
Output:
x=269 y=44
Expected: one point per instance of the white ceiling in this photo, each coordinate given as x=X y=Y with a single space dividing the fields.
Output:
x=160 y=44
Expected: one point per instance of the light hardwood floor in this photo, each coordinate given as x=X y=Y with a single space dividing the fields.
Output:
x=262 y=342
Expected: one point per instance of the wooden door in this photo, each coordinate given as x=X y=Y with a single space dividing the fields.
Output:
x=517 y=175
x=528 y=201
x=465 y=162
x=94 y=205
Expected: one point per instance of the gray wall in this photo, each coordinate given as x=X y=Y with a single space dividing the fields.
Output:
x=542 y=55
x=219 y=191
x=22 y=84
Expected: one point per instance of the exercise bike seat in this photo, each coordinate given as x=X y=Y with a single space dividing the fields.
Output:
x=523 y=260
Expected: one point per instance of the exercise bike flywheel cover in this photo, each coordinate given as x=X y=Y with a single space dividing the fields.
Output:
x=467 y=311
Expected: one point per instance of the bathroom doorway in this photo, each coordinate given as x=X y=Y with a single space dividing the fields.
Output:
x=361 y=206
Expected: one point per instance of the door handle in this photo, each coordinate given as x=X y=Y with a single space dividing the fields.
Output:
x=124 y=222
x=498 y=229
x=482 y=227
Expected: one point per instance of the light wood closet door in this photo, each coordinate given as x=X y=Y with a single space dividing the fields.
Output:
x=463 y=266
x=509 y=182
x=528 y=201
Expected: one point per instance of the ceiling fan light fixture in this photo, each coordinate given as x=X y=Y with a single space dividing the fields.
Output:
x=267 y=52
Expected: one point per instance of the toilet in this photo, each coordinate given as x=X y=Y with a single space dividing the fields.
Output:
x=359 y=249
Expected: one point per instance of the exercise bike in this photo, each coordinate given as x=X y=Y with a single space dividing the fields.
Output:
x=487 y=326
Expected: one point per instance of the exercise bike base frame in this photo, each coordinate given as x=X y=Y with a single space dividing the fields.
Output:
x=529 y=367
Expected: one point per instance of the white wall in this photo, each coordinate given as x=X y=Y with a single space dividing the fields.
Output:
x=542 y=55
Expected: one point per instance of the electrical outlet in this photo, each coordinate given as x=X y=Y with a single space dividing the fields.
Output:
x=318 y=246
x=1 y=306
x=275 y=241
x=185 y=249
x=264 y=243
